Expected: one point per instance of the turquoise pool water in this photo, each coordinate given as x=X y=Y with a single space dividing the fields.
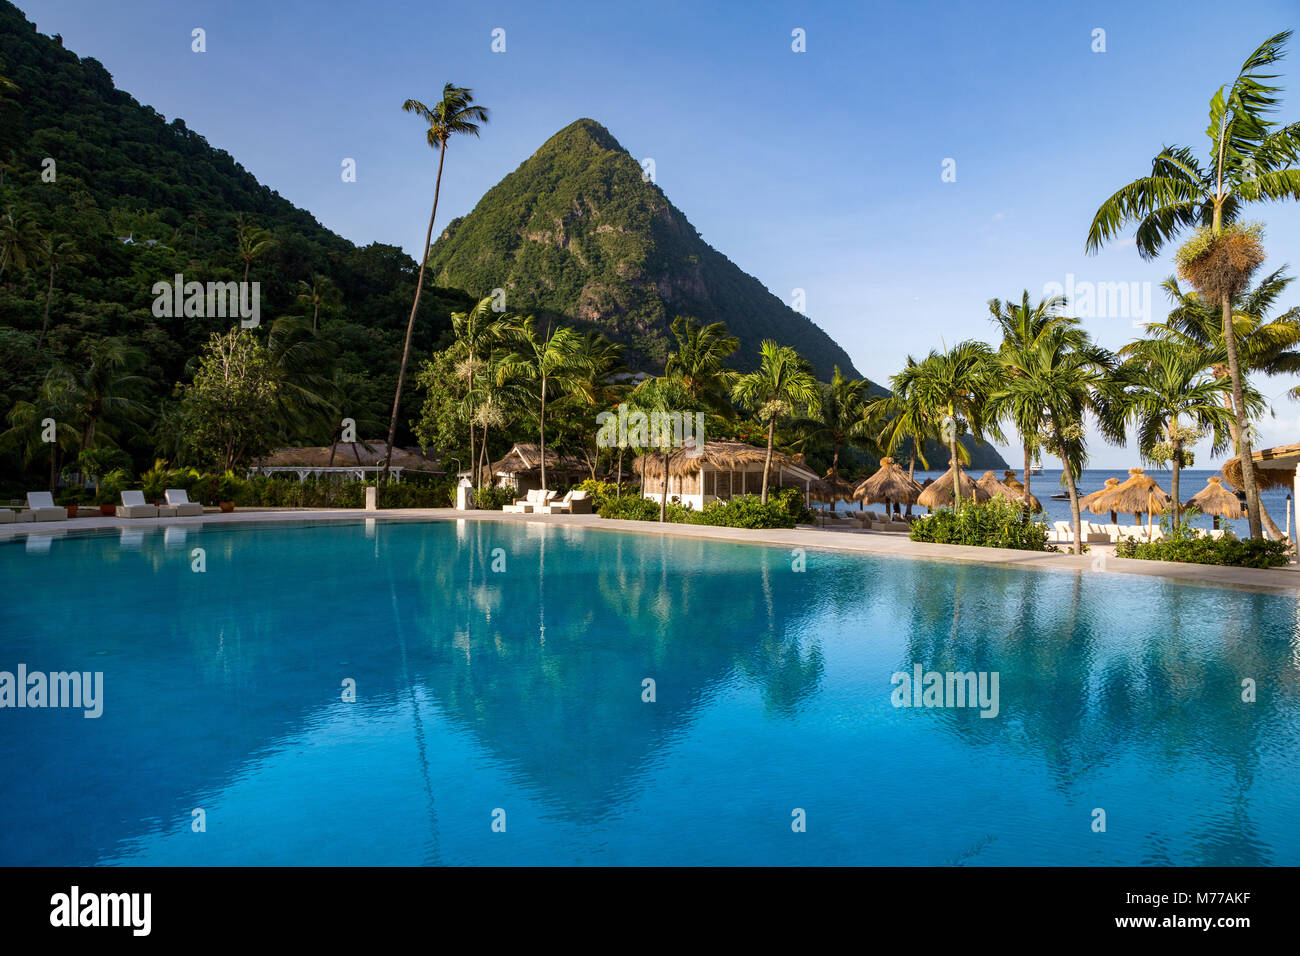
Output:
x=521 y=690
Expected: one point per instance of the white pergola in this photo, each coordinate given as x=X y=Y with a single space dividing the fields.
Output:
x=355 y=472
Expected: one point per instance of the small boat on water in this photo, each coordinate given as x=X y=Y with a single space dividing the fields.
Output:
x=1061 y=496
x=1035 y=471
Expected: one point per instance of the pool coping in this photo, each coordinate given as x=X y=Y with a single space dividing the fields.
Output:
x=1280 y=581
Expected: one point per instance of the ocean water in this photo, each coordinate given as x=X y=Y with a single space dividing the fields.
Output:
x=1190 y=481
x=501 y=711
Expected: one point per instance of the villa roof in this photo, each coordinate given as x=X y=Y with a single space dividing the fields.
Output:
x=527 y=456
x=365 y=453
x=722 y=456
x=1274 y=467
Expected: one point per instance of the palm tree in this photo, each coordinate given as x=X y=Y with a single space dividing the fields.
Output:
x=1159 y=385
x=18 y=240
x=1252 y=159
x=662 y=395
x=604 y=362
x=840 y=420
x=103 y=391
x=253 y=243
x=27 y=424
x=55 y=252
x=301 y=365
x=1023 y=327
x=1061 y=381
x=953 y=387
x=783 y=383
x=477 y=332
x=899 y=417
x=319 y=291
x=1267 y=346
x=547 y=366
x=698 y=362
x=454 y=115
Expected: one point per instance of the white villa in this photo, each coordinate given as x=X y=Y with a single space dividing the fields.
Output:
x=722 y=470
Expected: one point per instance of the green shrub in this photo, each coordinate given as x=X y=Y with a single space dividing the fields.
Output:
x=792 y=501
x=1185 y=545
x=494 y=498
x=631 y=508
x=996 y=523
x=749 y=511
x=599 y=492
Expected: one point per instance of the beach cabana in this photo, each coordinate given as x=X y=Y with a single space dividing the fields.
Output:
x=1001 y=489
x=890 y=485
x=348 y=460
x=1090 y=501
x=1011 y=481
x=1138 y=495
x=721 y=470
x=521 y=468
x=1277 y=467
x=939 y=493
x=1216 y=500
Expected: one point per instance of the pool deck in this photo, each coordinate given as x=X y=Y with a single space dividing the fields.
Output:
x=1100 y=560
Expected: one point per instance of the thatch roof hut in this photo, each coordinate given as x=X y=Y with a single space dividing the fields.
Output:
x=890 y=485
x=521 y=466
x=831 y=488
x=1139 y=495
x=939 y=494
x=1274 y=467
x=722 y=455
x=1090 y=501
x=343 y=454
x=1001 y=489
x=1214 y=499
x=723 y=469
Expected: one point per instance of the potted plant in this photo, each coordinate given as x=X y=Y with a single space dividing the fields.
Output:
x=227 y=487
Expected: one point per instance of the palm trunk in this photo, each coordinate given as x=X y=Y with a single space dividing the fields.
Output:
x=1028 y=501
x=955 y=468
x=410 y=323
x=767 y=462
x=45 y=322
x=54 y=466
x=1173 y=481
x=1243 y=433
x=315 y=313
x=1074 y=502
x=663 y=499
x=473 y=461
x=247 y=263
x=618 y=485
x=541 y=432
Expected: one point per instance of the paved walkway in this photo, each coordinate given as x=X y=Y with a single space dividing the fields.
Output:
x=1100 y=560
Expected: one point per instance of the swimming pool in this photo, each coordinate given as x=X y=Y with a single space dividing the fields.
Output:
x=501 y=712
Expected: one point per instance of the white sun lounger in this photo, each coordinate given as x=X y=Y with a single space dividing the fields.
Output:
x=134 y=506
x=530 y=503
x=179 y=499
x=41 y=507
x=575 y=502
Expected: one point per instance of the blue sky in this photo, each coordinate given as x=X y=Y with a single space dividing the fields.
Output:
x=818 y=170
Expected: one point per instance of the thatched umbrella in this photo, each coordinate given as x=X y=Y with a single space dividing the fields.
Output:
x=1139 y=495
x=1009 y=478
x=1216 y=500
x=1004 y=489
x=890 y=485
x=830 y=489
x=1090 y=501
x=939 y=493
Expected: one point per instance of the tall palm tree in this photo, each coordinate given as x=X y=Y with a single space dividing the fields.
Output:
x=782 y=384
x=26 y=433
x=698 y=361
x=1252 y=159
x=603 y=360
x=56 y=252
x=1160 y=385
x=252 y=243
x=841 y=419
x=18 y=240
x=1062 y=380
x=320 y=291
x=454 y=115
x=301 y=365
x=477 y=332
x=1267 y=346
x=547 y=366
x=1023 y=326
x=954 y=388
x=899 y=417
x=663 y=395
x=104 y=391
